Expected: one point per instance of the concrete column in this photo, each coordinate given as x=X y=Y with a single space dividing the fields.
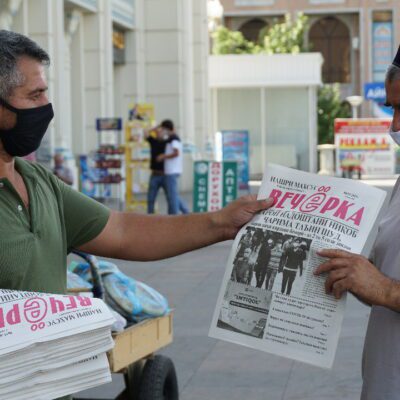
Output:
x=98 y=78
x=163 y=27
x=200 y=71
x=72 y=21
x=46 y=27
x=187 y=82
x=77 y=88
x=8 y=14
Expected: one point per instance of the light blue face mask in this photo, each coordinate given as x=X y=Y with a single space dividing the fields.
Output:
x=394 y=135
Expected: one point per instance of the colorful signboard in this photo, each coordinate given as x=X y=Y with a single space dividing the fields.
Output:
x=376 y=92
x=235 y=147
x=382 y=49
x=108 y=124
x=364 y=145
x=215 y=185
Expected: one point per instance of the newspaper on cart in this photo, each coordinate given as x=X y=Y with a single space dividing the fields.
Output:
x=52 y=345
x=270 y=299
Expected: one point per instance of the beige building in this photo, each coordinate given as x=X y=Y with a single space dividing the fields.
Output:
x=357 y=38
x=107 y=54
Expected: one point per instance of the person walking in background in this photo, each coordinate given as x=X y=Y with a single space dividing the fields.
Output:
x=173 y=168
x=157 y=139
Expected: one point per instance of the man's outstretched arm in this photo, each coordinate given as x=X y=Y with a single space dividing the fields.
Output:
x=140 y=237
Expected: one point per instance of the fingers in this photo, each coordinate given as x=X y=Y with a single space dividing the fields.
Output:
x=264 y=204
x=340 y=287
x=333 y=264
x=333 y=278
x=332 y=253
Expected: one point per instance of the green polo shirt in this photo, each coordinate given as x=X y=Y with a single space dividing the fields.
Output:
x=34 y=243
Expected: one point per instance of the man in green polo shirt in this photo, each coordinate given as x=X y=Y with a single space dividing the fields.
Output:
x=42 y=218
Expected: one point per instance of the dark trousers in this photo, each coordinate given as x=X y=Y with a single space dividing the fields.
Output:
x=175 y=202
x=156 y=182
x=287 y=280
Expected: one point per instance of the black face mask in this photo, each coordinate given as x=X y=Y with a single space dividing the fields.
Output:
x=28 y=132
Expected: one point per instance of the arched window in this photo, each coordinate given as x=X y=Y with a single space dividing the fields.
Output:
x=251 y=29
x=331 y=37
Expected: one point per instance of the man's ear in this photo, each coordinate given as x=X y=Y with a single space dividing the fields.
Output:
x=8 y=119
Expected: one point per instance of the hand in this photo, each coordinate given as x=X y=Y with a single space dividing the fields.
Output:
x=239 y=212
x=354 y=273
x=160 y=158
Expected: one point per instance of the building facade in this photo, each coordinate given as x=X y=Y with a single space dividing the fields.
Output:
x=357 y=38
x=107 y=54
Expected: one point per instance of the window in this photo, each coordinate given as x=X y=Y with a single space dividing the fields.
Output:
x=331 y=37
x=118 y=39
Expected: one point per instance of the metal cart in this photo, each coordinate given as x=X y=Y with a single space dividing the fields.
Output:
x=147 y=376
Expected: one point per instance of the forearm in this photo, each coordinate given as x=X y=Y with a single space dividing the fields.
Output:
x=390 y=293
x=148 y=238
x=140 y=237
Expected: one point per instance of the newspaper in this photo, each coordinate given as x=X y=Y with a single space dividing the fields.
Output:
x=270 y=299
x=52 y=345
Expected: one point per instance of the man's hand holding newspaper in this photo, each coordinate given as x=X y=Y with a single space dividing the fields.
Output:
x=354 y=273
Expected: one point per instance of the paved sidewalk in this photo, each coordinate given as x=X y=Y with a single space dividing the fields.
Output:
x=211 y=369
x=214 y=370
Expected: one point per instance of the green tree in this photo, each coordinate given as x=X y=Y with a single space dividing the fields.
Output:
x=226 y=41
x=287 y=36
x=330 y=107
x=282 y=37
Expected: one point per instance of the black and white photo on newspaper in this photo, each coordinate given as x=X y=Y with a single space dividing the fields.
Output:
x=270 y=298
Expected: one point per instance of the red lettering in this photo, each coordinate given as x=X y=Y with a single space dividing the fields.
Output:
x=287 y=195
x=72 y=303
x=297 y=199
x=342 y=210
x=275 y=194
x=331 y=204
x=357 y=216
x=57 y=306
x=84 y=301
x=13 y=316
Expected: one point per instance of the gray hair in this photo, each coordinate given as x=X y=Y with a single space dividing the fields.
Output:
x=393 y=73
x=13 y=46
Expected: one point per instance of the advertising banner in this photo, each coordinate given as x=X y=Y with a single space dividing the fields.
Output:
x=382 y=49
x=365 y=146
x=375 y=91
x=235 y=147
x=215 y=185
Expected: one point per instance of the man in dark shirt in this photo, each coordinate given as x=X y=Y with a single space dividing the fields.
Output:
x=157 y=142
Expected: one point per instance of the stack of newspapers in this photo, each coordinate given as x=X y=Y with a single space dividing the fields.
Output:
x=52 y=345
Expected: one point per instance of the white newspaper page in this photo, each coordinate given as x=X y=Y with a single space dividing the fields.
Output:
x=269 y=298
x=27 y=318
